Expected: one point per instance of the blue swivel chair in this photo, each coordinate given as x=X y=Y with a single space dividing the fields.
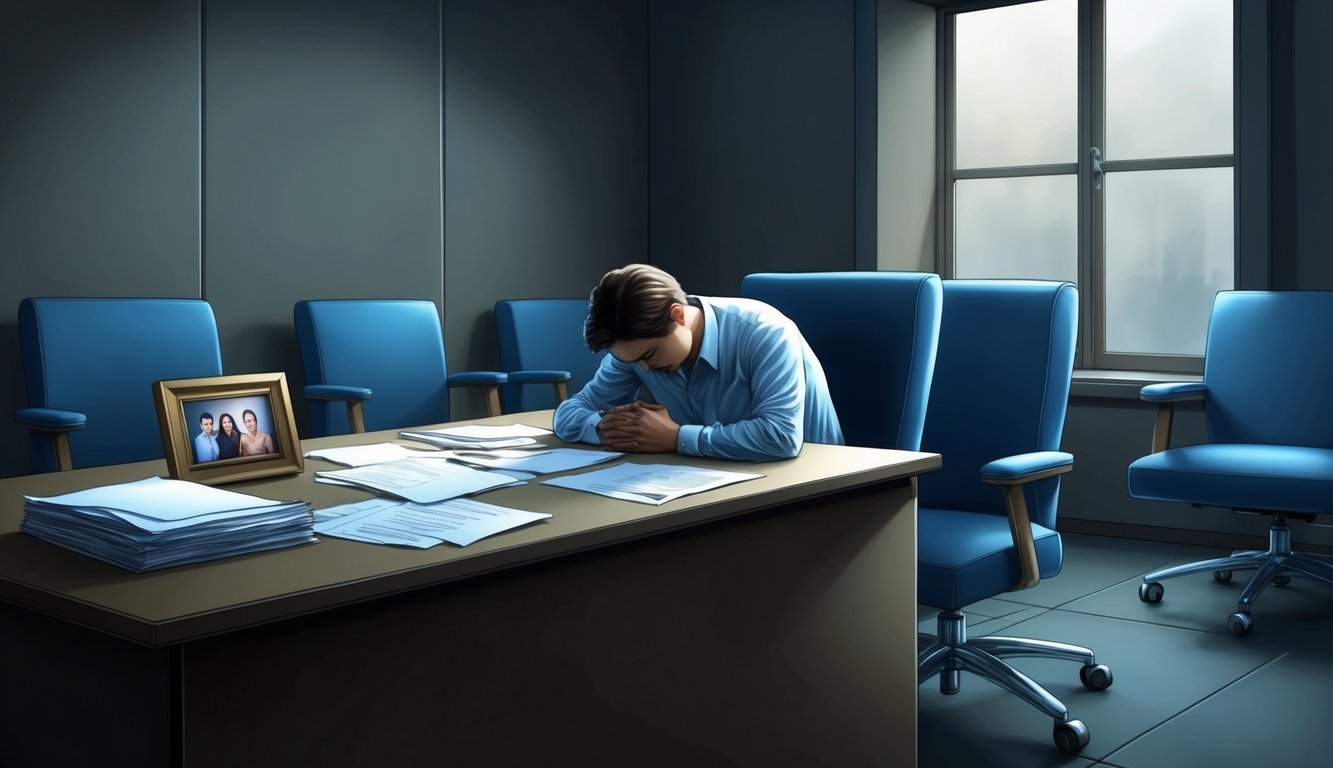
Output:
x=384 y=360
x=1267 y=395
x=89 y=366
x=875 y=334
x=541 y=343
x=986 y=520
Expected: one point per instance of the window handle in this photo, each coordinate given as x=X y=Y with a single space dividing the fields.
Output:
x=1097 y=171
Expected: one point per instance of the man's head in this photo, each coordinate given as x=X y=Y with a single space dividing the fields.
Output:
x=206 y=423
x=638 y=313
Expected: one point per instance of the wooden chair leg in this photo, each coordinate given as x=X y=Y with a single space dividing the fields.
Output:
x=561 y=392
x=356 y=417
x=493 y=400
x=60 y=442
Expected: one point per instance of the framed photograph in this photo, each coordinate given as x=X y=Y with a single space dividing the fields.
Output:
x=222 y=429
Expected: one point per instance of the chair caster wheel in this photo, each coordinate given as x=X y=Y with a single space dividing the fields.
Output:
x=1240 y=624
x=1071 y=736
x=1221 y=577
x=1151 y=592
x=1095 y=677
x=1281 y=581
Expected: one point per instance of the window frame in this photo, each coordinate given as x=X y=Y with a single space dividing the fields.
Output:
x=1248 y=160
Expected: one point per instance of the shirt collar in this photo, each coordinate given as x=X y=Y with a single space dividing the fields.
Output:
x=707 y=345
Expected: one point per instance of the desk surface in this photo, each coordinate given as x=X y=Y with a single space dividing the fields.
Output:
x=184 y=603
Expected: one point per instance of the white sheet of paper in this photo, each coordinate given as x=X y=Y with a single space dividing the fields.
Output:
x=161 y=499
x=417 y=480
x=650 y=483
x=491 y=432
x=363 y=455
x=540 y=462
x=457 y=521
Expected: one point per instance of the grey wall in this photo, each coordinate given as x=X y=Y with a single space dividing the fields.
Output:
x=318 y=168
x=751 y=138
x=545 y=146
x=906 y=122
x=98 y=163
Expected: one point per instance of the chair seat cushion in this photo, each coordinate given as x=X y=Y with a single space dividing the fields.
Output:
x=1286 y=478
x=963 y=557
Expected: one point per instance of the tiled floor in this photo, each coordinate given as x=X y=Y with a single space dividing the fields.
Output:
x=1186 y=692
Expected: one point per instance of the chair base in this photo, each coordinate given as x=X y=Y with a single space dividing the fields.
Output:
x=1274 y=566
x=949 y=652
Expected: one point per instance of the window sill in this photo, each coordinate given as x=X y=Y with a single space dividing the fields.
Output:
x=1120 y=385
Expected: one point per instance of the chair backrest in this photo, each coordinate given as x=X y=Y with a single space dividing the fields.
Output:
x=394 y=347
x=1006 y=358
x=543 y=334
x=875 y=335
x=1269 y=368
x=100 y=357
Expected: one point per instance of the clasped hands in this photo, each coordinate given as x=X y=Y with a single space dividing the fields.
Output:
x=639 y=426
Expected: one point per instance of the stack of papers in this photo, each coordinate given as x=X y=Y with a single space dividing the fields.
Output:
x=650 y=483
x=459 y=521
x=156 y=523
x=479 y=437
x=421 y=480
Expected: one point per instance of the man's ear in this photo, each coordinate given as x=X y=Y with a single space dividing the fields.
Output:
x=678 y=313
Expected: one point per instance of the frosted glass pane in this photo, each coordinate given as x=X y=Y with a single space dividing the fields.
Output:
x=1024 y=227
x=1169 y=248
x=1016 y=99
x=1168 y=78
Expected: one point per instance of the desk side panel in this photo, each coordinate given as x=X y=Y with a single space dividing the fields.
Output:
x=784 y=637
x=74 y=696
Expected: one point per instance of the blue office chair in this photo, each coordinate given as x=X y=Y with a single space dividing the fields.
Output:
x=1267 y=394
x=392 y=350
x=89 y=366
x=996 y=414
x=875 y=334
x=541 y=343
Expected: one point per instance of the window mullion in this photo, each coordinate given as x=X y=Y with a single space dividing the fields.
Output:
x=1092 y=119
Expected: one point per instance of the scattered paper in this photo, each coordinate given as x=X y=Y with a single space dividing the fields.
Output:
x=650 y=483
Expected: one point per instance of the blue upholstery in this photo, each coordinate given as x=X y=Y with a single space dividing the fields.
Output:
x=393 y=349
x=996 y=415
x=89 y=365
x=537 y=338
x=1268 y=375
x=875 y=334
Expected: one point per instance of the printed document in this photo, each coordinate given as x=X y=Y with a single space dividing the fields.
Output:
x=458 y=521
x=417 y=479
x=650 y=483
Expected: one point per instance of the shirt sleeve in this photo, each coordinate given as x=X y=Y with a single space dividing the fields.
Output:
x=772 y=357
x=615 y=383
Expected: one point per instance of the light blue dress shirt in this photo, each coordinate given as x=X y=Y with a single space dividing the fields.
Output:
x=756 y=391
x=205 y=447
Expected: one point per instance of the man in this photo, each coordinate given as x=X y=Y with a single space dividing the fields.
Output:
x=729 y=378
x=205 y=443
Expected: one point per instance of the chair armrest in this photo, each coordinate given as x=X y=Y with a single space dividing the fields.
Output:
x=555 y=378
x=538 y=376
x=1166 y=395
x=50 y=419
x=1014 y=472
x=491 y=380
x=1026 y=467
x=352 y=396
x=1174 y=392
x=336 y=392
x=58 y=423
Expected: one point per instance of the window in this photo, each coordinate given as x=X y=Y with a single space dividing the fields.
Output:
x=1093 y=141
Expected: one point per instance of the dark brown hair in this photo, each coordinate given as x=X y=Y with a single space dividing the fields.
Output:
x=630 y=303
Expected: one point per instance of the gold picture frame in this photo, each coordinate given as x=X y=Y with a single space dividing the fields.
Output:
x=259 y=441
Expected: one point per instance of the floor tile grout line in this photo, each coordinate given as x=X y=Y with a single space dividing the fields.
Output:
x=1195 y=705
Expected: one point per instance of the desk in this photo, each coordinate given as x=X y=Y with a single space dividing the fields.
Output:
x=767 y=623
